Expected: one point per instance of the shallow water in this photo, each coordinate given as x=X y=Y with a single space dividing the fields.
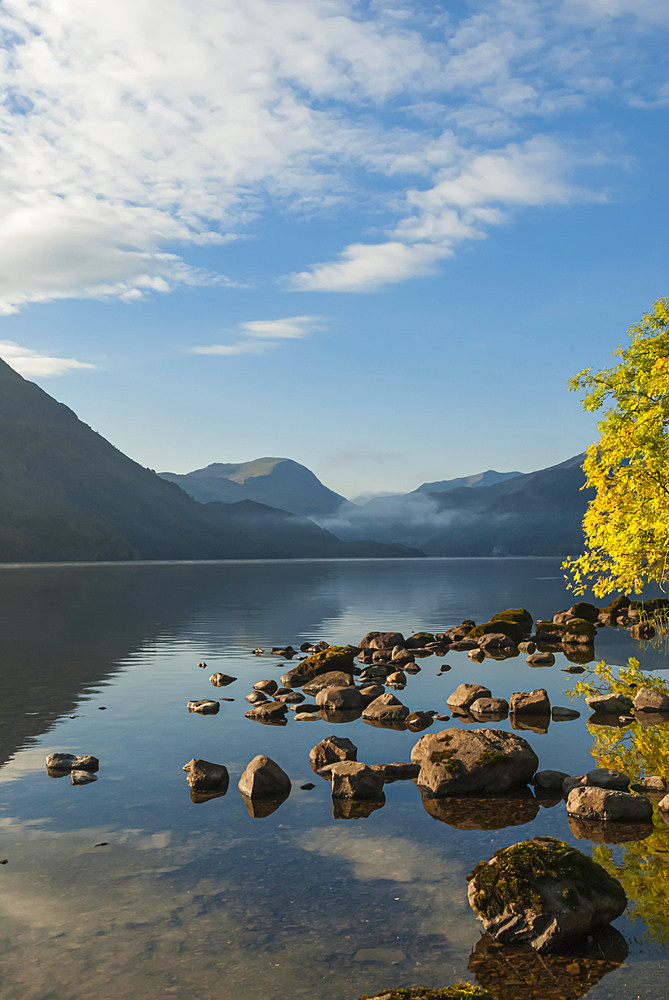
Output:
x=126 y=888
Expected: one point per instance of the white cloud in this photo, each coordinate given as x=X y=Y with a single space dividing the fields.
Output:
x=364 y=267
x=27 y=362
x=132 y=131
x=264 y=334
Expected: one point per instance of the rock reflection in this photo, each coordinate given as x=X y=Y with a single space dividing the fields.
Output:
x=522 y=974
x=387 y=724
x=261 y=808
x=532 y=723
x=490 y=813
x=199 y=797
x=340 y=717
x=608 y=833
x=356 y=808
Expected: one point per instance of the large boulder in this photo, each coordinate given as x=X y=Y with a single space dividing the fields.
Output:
x=263 y=779
x=332 y=750
x=591 y=802
x=544 y=893
x=332 y=658
x=382 y=640
x=465 y=694
x=465 y=762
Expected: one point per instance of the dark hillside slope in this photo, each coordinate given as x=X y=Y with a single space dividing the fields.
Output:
x=66 y=494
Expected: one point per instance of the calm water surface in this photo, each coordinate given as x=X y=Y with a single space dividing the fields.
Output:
x=126 y=888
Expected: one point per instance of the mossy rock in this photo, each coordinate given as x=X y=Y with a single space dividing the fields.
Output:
x=656 y=607
x=519 y=615
x=514 y=631
x=512 y=881
x=583 y=609
x=420 y=639
x=579 y=626
x=332 y=658
x=617 y=604
x=543 y=627
x=460 y=991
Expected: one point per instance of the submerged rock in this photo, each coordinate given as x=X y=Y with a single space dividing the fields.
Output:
x=544 y=893
x=465 y=762
x=221 y=680
x=205 y=706
x=70 y=762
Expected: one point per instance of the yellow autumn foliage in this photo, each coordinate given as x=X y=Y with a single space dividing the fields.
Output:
x=626 y=525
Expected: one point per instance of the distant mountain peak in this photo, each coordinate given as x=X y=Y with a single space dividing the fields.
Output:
x=488 y=478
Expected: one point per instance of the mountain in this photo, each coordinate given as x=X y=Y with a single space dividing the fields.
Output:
x=537 y=513
x=488 y=478
x=66 y=494
x=279 y=482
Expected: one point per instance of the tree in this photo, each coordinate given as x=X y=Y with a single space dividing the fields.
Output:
x=626 y=524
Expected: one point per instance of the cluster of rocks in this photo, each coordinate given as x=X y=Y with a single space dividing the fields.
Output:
x=648 y=707
x=527 y=709
x=82 y=769
x=264 y=786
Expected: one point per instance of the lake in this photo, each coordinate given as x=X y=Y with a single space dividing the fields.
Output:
x=127 y=888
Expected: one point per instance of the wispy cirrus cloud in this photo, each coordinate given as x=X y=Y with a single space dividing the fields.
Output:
x=130 y=137
x=28 y=362
x=263 y=334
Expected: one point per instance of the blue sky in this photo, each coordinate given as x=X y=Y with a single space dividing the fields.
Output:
x=375 y=237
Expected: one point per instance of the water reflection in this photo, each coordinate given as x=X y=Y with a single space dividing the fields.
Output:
x=522 y=974
x=491 y=813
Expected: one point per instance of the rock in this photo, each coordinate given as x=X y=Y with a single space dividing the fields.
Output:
x=526 y=647
x=590 y=802
x=545 y=659
x=653 y=785
x=202 y=664
x=382 y=640
x=549 y=779
x=332 y=658
x=69 y=762
x=648 y=700
x=530 y=703
x=267 y=711
x=290 y=697
x=285 y=651
x=609 y=704
x=544 y=893
x=258 y=652
x=306 y=717
x=477 y=655
x=369 y=692
x=205 y=706
x=663 y=808
x=584 y=610
x=417 y=721
x=412 y=668
x=264 y=779
x=401 y=656
x=374 y=673
x=386 y=708
x=256 y=697
x=561 y=714
x=490 y=706
x=419 y=640
x=354 y=780
x=465 y=694
x=397 y=679
x=293 y=680
x=332 y=750
x=464 y=762
x=387 y=956
x=79 y=777
x=221 y=680
x=203 y=776
x=397 y=771
x=339 y=699
x=266 y=686
x=333 y=678
x=495 y=642
x=606 y=777
x=461 y=645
